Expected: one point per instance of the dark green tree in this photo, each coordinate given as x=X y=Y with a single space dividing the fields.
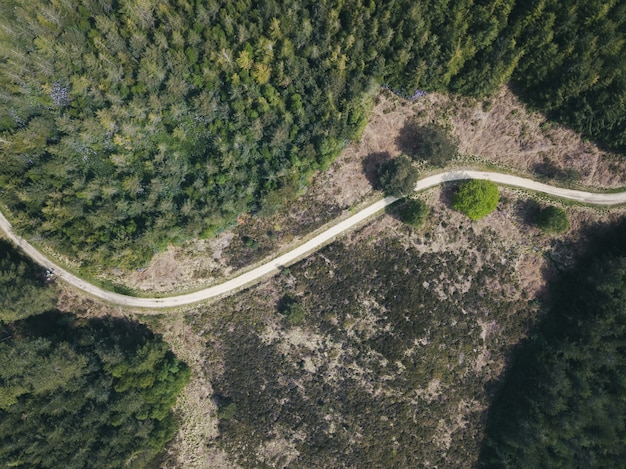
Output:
x=552 y=219
x=414 y=212
x=476 y=198
x=77 y=393
x=398 y=176
x=23 y=288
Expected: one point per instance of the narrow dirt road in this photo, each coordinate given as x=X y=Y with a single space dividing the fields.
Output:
x=304 y=249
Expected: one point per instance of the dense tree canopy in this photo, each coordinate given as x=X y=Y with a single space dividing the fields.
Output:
x=476 y=198
x=398 y=176
x=563 y=404
x=23 y=289
x=566 y=58
x=82 y=394
x=127 y=124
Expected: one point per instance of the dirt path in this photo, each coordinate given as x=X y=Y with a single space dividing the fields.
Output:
x=306 y=248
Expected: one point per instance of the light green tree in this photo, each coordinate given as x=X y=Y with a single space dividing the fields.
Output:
x=476 y=198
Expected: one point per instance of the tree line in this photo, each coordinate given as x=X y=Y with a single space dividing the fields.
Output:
x=561 y=403
x=126 y=125
x=78 y=392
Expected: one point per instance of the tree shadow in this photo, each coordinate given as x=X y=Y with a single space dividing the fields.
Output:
x=395 y=209
x=409 y=137
x=527 y=210
x=371 y=165
x=448 y=191
x=54 y=325
x=548 y=169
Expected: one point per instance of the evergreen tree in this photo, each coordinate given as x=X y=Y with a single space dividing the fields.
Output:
x=23 y=289
x=76 y=393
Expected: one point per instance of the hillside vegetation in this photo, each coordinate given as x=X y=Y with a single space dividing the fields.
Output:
x=23 y=286
x=562 y=403
x=127 y=125
x=78 y=393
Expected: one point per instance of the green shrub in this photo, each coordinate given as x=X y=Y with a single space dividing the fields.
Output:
x=293 y=311
x=398 y=176
x=414 y=212
x=552 y=220
x=476 y=198
x=436 y=146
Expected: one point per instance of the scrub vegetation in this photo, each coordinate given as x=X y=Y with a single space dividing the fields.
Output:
x=377 y=351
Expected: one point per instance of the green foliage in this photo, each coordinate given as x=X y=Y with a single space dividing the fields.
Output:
x=77 y=393
x=573 y=69
x=476 y=198
x=562 y=404
x=436 y=146
x=414 y=212
x=398 y=176
x=552 y=219
x=23 y=291
x=228 y=412
x=128 y=125
x=293 y=310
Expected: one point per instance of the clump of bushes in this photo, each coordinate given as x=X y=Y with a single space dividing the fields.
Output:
x=292 y=309
x=414 y=212
x=476 y=198
x=552 y=219
x=398 y=176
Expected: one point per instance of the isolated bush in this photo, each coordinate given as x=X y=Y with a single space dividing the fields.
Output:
x=293 y=311
x=552 y=220
x=436 y=145
x=476 y=198
x=398 y=176
x=414 y=212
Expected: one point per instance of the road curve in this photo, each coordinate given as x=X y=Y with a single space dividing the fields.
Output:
x=309 y=246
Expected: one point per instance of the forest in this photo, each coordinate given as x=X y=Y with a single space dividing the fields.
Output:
x=561 y=404
x=126 y=125
x=78 y=392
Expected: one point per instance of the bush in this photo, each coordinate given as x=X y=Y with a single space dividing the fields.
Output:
x=436 y=146
x=476 y=198
x=414 y=213
x=552 y=220
x=398 y=176
x=293 y=311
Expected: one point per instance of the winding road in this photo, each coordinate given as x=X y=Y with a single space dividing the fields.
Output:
x=274 y=265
